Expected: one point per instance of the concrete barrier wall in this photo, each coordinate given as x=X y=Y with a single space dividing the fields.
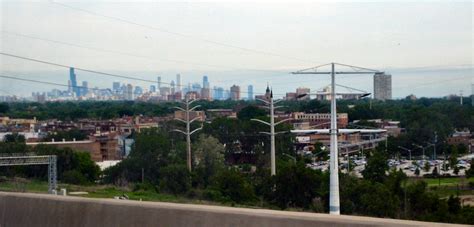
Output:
x=24 y=209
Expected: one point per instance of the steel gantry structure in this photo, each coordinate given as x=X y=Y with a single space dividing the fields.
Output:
x=26 y=159
x=334 y=204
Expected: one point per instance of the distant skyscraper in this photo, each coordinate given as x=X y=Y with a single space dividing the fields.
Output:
x=84 y=88
x=159 y=82
x=115 y=86
x=138 y=91
x=196 y=87
x=152 y=88
x=69 y=86
x=206 y=94
x=178 y=82
x=250 y=92
x=218 y=93
x=173 y=87
x=205 y=82
x=72 y=77
x=235 y=92
x=382 y=86
x=129 y=92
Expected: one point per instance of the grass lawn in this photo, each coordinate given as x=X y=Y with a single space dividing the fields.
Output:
x=451 y=181
x=95 y=191
x=446 y=186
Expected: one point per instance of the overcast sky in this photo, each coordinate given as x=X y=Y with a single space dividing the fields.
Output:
x=422 y=44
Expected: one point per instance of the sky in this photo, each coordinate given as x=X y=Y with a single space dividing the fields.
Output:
x=427 y=46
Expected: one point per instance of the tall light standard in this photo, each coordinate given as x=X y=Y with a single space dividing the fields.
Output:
x=334 y=204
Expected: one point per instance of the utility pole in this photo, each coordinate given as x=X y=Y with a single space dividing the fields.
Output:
x=187 y=103
x=271 y=106
x=334 y=203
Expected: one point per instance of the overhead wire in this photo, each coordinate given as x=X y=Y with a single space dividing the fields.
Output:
x=105 y=73
x=131 y=54
x=181 y=34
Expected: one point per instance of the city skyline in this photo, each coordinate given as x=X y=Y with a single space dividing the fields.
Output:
x=422 y=60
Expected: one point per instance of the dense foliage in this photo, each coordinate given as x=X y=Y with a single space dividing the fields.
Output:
x=72 y=166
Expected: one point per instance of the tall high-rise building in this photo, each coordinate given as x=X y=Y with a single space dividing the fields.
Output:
x=173 y=87
x=178 y=82
x=84 y=89
x=152 y=88
x=159 y=82
x=206 y=94
x=138 y=91
x=218 y=93
x=382 y=86
x=115 y=86
x=250 y=92
x=205 y=82
x=129 y=92
x=69 y=86
x=235 y=92
x=196 y=87
x=73 y=79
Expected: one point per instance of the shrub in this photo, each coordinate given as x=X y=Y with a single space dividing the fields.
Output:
x=74 y=177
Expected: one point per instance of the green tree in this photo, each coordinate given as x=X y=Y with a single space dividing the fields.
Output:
x=209 y=158
x=435 y=171
x=14 y=138
x=453 y=158
x=250 y=112
x=234 y=187
x=295 y=186
x=376 y=167
x=175 y=178
x=427 y=167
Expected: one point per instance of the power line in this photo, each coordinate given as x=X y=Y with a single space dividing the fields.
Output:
x=181 y=34
x=102 y=73
x=46 y=82
x=130 y=54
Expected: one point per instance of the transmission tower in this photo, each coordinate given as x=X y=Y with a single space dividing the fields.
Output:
x=334 y=204
x=271 y=106
x=187 y=103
